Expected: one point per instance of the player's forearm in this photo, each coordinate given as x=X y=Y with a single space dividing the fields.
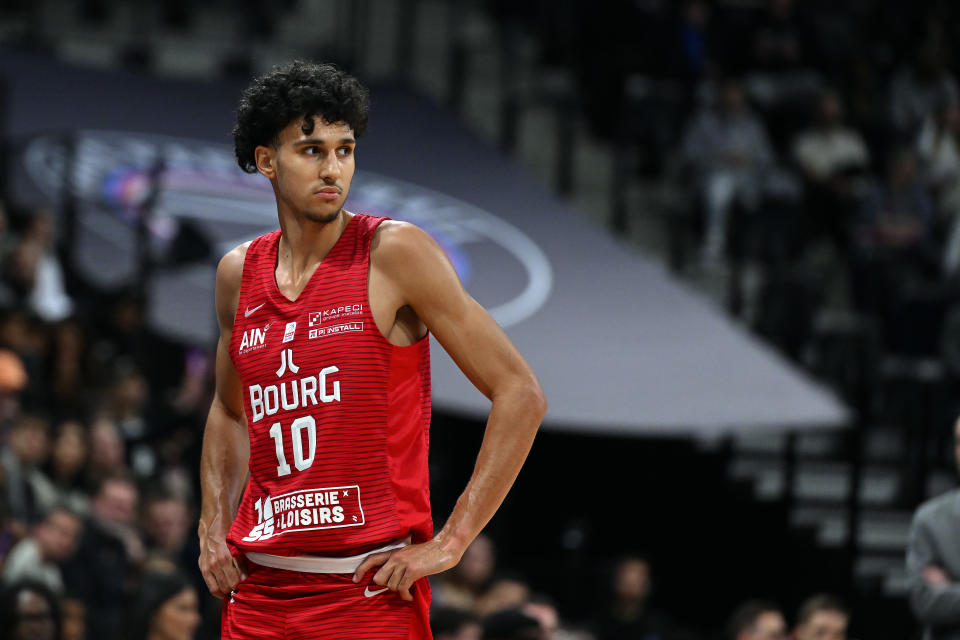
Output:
x=515 y=415
x=223 y=469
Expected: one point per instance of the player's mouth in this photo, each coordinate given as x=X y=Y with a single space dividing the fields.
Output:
x=328 y=193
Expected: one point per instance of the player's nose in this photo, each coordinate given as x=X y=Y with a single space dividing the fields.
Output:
x=330 y=167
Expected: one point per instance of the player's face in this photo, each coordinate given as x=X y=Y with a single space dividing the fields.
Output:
x=312 y=171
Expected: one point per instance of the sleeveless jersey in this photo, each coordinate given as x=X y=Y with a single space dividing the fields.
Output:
x=338 y=417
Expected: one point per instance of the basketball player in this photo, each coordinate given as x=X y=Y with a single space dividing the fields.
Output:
x=323 y=391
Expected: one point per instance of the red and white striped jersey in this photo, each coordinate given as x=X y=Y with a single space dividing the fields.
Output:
x=338 y=417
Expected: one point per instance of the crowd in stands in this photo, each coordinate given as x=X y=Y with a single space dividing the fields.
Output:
x=815 y=136
x=832 y=134
x=477 y=600
x=100 y=422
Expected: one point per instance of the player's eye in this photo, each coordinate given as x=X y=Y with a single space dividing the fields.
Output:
x=345 y=151
x=311 y=151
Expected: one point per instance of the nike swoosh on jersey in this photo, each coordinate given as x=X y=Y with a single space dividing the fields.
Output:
x=367 y=593
x=249 y=312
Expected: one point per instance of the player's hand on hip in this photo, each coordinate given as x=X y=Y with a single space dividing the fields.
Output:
x=400 y=568
x=218 y=566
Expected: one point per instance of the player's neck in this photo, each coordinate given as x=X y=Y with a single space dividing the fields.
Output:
x=304 y=243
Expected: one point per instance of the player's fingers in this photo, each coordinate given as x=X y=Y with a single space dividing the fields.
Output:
x=395 y=578
x=404 y=587
x=383 y=574
x=227 y=572
x=212 y=584
x=210 y=577
x=371 y=561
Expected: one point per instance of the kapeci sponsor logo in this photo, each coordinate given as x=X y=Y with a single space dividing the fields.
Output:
x=199 y=182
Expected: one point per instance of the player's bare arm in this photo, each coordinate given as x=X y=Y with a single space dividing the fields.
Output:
x=409 y=271
x=226 y=448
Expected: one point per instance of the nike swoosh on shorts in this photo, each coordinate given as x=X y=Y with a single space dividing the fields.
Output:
x=367 y=593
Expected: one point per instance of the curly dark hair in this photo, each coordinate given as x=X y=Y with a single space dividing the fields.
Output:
x=296 y=90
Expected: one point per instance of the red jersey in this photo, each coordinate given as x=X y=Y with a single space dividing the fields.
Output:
x=338 y=417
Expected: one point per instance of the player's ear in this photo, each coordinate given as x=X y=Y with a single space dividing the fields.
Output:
x=266 y=158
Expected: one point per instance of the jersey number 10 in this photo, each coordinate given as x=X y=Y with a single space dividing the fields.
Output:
x=300 y=461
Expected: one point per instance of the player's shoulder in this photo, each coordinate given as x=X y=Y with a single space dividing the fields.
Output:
x=399 y=240
x=945 y=503
x=230 y=268
x=399 y=231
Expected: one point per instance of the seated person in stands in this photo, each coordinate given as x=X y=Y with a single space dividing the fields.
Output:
x=757 y=620
x=833 y=159
x=894 y=240
x=728 y=150
x=822 y=617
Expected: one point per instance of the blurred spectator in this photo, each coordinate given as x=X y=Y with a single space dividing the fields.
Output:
x=36 y=272
x=939 y=152
x=895 y=249
x=461 y=586
x=778 y=41
x=165 y=608
x=53 y=540
x=126 y=400
x=13 y=379
x=695 y=39
x=27 y=448
x=29 y=611
x=916 y=88
x=107 y=451
x=510 y=624
x=448 y=623
x=170 y=534
x=110 y=547
x=757 y=620
x=933 y=561
x=507 y=591
x=74 y=619
x=64 y=472
x=629 y=615
x=897 y=213
x=544 y=611
x=894 y=246
x=832 y=157
x=167 y=523
x=67 y=361
x=728 y=151
x=822 y=617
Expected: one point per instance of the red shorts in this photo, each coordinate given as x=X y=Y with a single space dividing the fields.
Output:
x=277 y=604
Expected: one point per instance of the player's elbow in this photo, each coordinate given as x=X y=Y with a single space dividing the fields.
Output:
x=535 y=399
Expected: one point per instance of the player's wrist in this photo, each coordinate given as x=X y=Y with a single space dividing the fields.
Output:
x=213 y=527
x=452 y=543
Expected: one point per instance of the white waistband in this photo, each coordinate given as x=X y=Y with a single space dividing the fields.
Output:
x=317 y=564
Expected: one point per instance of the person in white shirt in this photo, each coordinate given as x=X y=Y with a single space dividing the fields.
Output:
x=833 y=159
x=53 y=539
